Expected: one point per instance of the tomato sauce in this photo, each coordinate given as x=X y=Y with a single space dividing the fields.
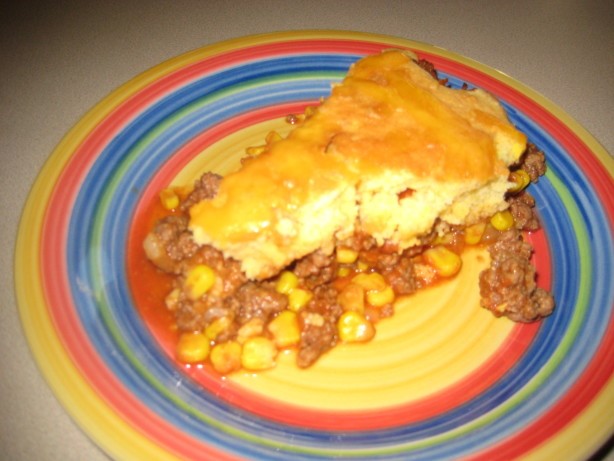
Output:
x=149 y=285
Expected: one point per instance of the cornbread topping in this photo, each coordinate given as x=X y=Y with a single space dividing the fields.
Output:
x=388 y=129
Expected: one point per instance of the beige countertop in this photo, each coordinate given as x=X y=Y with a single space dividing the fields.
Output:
x=58 y=59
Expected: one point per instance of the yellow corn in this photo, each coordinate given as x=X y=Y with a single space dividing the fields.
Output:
x=199 y=280
x=521 y=180
x=352 y=298
x=286 y=282
x=445 y=239
x=192 y=347
x=381 y=297
x=343 y=271
x=354 y=327
x=445 y=262
x=473 y=233
x=285 y=329
x=251 y=328
x=226 y=357
x=218 y=326
x=362 y=266
x=370 y=281
x=258 y=353
x=255 y=150
x=346 y=255
x=169 y=199
x=502 y=221
x=272 y=136
x=298 y=298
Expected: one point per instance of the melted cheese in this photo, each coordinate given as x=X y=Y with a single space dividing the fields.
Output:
x=387 y=128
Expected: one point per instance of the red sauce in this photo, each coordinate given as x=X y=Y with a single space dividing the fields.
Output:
x=149 y=286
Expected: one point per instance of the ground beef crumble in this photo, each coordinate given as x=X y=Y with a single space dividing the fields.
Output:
x=205 y=187
x=533 y=162
x=508 y=286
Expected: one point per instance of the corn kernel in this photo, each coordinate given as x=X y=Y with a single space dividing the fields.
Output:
x=285 y=329
x=192 y=347
x=219 y=325
x=444 y=261
x=169 y=199
x=343 y=271
x=272 y=136
x=346 y=255
x=298 y=298
x=199 y=280
x=258 y=353
x=286 y=282
x=380 y=298
x=473 y=233
x=354 y=327
x=352 y=298
x=362 y=266
x=445 y=239
x=503 y=220
x=521 y=180
x=250 y=329
x=226 y=357
x=370 y=281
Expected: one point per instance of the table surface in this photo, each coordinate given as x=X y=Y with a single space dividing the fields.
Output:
x=60 y=58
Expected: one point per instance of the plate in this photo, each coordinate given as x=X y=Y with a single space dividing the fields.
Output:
x=443 y=379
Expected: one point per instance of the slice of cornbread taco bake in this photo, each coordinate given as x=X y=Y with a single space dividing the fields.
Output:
x=373 y=194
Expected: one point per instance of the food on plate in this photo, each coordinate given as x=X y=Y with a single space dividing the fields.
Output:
x=372 y=195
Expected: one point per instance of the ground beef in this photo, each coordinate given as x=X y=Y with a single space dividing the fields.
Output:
x=429 y=67
x=508 y=286
x=395 y=266
x=255 y=300
x=533 y=162
x=205 y=187
x=400 y=276
x=191 y=316
x=522 y=207
x=316 y=269
x=324 y=302
x=228 y=270
x=169 y=245
x=318 y=335
x=173 y=242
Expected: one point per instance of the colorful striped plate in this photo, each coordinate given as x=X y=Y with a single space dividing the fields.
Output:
x=443 y=379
